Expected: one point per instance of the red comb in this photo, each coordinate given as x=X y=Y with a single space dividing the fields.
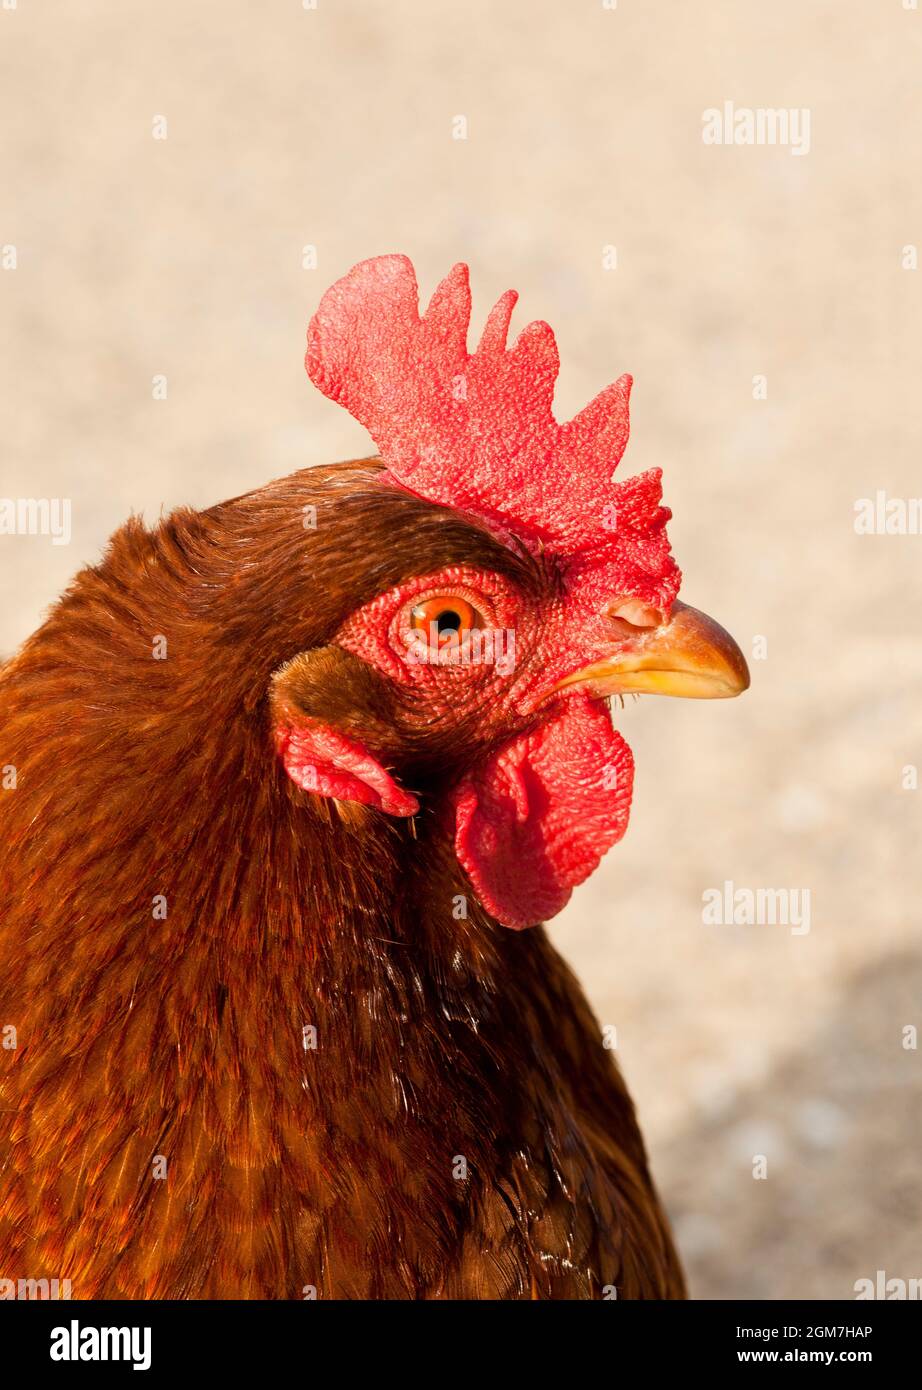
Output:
x=476 y=431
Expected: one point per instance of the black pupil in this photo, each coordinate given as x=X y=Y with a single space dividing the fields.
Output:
x=449 y=621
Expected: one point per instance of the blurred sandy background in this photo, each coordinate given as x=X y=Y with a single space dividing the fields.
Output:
x=332 y=128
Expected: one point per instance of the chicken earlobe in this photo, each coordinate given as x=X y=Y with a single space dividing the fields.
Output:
x=320 y=759
x=322 y=753
x=533 y=821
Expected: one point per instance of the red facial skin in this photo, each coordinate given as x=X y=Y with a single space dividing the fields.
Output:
x=553 y=637
x=536 y=813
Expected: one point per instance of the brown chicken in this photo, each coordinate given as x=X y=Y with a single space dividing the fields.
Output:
x=277 y=780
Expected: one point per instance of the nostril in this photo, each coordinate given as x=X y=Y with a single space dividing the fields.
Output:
x=633 y=611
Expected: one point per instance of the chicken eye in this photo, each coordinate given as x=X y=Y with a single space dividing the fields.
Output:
x=445 y=617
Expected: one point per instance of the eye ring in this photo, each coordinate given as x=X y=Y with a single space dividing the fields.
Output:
x=436 y=625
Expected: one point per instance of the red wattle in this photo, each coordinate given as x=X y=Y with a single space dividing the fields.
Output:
x=534 y=820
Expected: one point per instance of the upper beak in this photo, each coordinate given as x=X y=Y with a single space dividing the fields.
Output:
x=687 y=655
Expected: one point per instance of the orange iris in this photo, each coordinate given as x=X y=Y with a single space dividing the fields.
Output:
x=449 y=613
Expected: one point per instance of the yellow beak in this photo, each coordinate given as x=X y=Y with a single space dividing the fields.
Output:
x=689 y=655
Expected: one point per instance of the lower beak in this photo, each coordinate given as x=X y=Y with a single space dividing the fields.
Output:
x=689 y=655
